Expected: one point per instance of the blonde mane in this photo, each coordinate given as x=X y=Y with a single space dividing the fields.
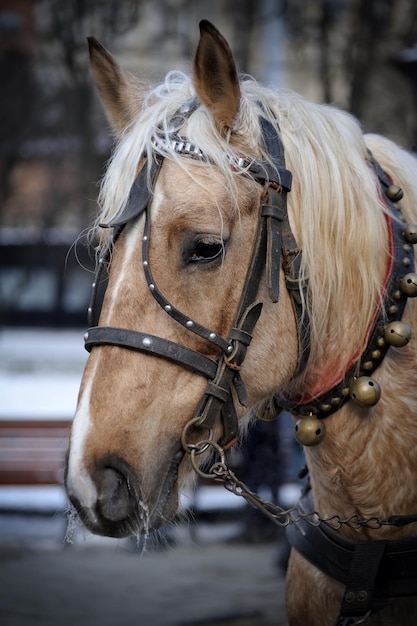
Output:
x=335 y=205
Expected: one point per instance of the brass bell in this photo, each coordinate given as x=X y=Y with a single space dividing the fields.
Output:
x=410 y=233
x=309 y=431
x=408 y=284
x=397 y=334
x=365 y=391
x=394 y=193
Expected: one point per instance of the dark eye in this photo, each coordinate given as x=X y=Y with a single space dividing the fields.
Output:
x=206 y=251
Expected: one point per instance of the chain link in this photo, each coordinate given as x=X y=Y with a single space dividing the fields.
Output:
x=221 y=473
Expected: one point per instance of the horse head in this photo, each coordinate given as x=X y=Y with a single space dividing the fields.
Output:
x=179 y=292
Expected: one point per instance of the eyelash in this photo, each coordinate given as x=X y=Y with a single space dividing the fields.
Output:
x=206 y=251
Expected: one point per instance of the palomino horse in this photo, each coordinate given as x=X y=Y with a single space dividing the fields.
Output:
x=205 y=257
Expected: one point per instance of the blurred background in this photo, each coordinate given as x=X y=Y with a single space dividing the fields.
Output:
x=357 y=54
x=54 y=142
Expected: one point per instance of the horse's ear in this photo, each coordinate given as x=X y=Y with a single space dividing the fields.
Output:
x=215 y=77
x=121 y=93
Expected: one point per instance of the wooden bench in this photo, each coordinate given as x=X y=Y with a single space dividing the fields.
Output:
x=32 y=465
x=32 y=452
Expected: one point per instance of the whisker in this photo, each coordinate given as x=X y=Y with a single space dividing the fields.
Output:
x=73 y=522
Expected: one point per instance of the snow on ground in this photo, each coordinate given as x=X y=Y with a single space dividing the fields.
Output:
x=40 y=373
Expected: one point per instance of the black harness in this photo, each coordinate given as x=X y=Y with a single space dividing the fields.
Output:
x=374 y=572
x=274 y=247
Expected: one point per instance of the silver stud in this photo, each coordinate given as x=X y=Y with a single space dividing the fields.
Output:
x=89 y=310
x=406 y=262
x=147 y=342
x=145 y=263
x=145 y=238
x=93 y=285
x=85 y=336
x=230 y=349
x=151 y=286
x=167 y=308
x=212 y=336
x=189 y=324
x=100 y=261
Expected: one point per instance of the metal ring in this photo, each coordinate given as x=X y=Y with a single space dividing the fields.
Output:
x=196 y=447
x=207 y=443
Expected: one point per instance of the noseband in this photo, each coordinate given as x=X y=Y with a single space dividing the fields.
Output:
x=274 y=247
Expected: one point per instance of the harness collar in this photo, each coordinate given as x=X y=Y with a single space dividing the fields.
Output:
x=374 y=572
x=400 y=284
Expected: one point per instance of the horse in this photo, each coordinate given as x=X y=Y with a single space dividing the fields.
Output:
x=259 y=250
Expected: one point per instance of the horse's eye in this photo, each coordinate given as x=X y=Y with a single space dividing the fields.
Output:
x=206 y=251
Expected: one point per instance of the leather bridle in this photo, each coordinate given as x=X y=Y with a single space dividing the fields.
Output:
x=274 y=247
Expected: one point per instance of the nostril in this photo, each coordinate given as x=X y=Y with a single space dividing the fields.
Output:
x=115 y=501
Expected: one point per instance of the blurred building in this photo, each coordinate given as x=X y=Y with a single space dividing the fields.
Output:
x=54 y=140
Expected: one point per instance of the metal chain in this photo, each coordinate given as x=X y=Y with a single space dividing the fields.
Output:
x=221 y=473
x=351 y=621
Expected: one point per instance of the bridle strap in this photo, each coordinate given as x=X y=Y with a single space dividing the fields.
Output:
x=139 y=194
x=274 y=245
x=168 y=307
x=266 y=251
x=283 y=249
x=150 y=344
x=217 y=397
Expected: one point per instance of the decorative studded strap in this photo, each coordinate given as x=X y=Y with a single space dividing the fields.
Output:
x=168 y=307
x=144 y=342
x=392 y=308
